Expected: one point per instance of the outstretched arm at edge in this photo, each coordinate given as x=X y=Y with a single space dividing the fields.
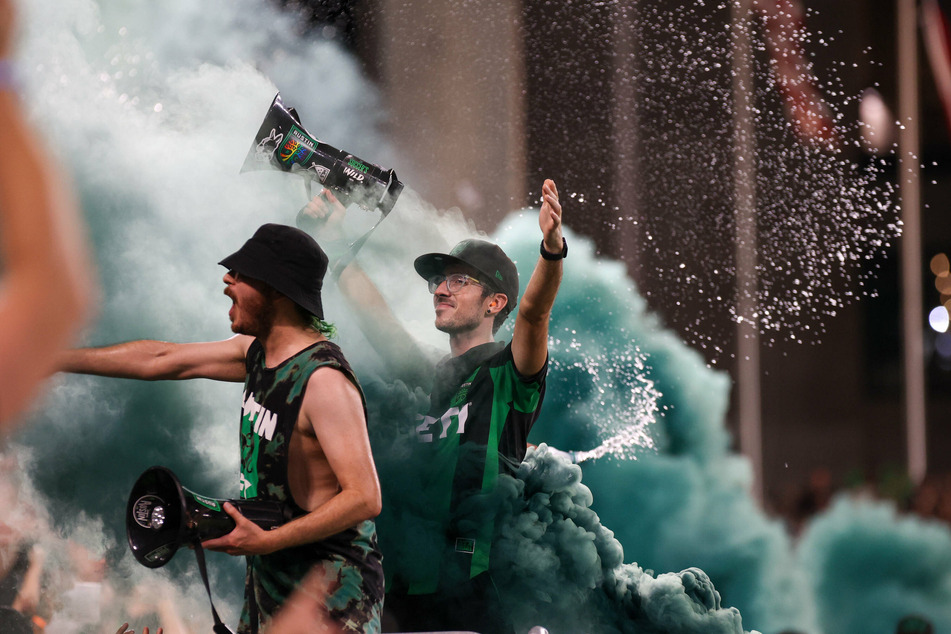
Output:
x=159 y=360
x=47 y=288
x=530 y=334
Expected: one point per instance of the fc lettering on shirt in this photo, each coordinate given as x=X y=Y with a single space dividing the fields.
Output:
x=454 y=415
x=263 y=420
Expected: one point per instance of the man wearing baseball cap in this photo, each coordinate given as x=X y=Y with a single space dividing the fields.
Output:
x=485 y=397
x=304 y=439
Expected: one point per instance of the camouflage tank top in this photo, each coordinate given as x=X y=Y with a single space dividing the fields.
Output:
x=269 y=412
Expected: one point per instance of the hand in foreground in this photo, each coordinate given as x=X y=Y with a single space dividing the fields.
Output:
x=124 y=629
x=305 y=611
x=549 y=217
x=323 y=216
x=247 y=538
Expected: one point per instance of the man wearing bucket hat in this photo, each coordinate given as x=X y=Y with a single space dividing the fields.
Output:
x=304 y=438
x=485 y=397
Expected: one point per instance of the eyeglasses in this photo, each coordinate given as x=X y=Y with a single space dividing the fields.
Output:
x=455 y=282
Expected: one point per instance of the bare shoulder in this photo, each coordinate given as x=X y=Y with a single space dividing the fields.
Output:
x=330 y=380
x=216 y=359
x=232 y=349
x=240 y=343
x=332 y=395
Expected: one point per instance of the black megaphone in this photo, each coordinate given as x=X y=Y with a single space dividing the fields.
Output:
x=282 y=143
x=162 y=515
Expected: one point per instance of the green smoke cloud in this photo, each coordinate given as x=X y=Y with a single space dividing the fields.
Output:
x=153 y=105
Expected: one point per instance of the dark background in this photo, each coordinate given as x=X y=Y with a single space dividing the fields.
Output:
x=833 y=402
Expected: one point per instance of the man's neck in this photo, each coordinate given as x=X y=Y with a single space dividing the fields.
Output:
x=462 y=342
x=283 y=341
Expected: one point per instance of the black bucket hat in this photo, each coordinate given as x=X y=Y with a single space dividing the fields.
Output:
x=286 y=259
x=495 y=268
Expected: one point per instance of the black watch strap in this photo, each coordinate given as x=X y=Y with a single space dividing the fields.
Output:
x=554 y=256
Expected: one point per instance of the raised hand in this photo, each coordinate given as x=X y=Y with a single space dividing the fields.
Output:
x=323 y=217
x=549 y=217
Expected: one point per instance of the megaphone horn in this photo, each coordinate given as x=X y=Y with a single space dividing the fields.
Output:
x=162 y=515
x=282 y=143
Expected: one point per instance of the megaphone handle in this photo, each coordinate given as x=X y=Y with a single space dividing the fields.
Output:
x=344 y=261
x=219 y=627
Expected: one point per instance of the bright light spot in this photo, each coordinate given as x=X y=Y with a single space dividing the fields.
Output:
x=878 y=124
x=940 y=264
x=939 y=319
x=943 y=284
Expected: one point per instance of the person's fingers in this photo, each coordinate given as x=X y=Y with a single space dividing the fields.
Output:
x=316 y=207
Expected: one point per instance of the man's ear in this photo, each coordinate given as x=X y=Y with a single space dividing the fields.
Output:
x=279 y=299
x=499 y=301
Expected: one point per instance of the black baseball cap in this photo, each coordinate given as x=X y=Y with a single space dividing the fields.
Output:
x=494 y=267
x=288 y=260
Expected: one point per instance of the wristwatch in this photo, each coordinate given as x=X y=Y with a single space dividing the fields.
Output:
x=554 y=256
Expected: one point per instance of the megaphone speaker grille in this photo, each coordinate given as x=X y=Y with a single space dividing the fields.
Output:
x=155 y=517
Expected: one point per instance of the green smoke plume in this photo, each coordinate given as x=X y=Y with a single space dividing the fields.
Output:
x=152 y=106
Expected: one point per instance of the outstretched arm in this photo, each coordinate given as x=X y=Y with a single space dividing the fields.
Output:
x=47 y=286
x=159 y=360
x=399 y=351
x=332 y=407
x=530 y=334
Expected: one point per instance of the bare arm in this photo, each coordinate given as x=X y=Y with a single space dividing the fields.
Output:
x=332 y=406
x=28 y=598
x=47 y=287
x=530 y=334
x=159 y=360
x=397 y=348
x=399 y=351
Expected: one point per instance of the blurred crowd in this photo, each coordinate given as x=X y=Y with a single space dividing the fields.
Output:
x=931 y=499
x=55 y=585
